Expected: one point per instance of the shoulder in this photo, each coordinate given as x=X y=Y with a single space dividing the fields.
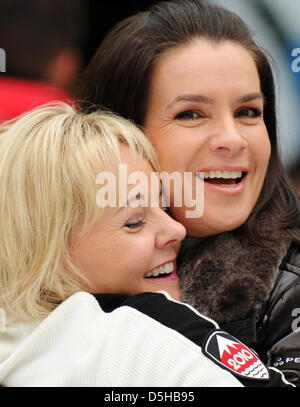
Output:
x=288 y=281
x=114 y=340
x=291 y=261
x=279 y=333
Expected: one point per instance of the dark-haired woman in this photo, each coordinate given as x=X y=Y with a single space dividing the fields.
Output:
x=191 y=75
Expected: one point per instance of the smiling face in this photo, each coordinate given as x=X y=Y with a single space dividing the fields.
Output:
x=132 y=249
x=205 y=114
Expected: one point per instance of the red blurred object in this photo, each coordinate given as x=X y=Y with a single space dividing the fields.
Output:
x=20 y=95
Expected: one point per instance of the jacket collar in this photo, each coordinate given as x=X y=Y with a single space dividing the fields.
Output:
x=229 y=279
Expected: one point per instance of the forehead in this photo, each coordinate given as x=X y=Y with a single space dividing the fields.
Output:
x=133 y=160
x=135 y=170
x=204 y=63
x=136 y=173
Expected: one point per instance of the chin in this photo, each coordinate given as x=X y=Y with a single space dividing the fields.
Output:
x=175 y=294
x=205 y=227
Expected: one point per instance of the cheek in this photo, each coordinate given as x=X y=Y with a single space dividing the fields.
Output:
x=175 y=153
x=259 y=146
x=168 y=138
x=263 y=152
x=161 y=143
x=91 y=253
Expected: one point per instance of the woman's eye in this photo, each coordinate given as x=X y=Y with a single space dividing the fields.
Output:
x=188 y=114
x=134 y=224
x=249 y=112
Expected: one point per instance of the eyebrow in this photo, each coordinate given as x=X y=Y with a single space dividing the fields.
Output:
x=210 y=101
x=123 y=205
x=191 y=98
x=252 y=96
x=132 y=197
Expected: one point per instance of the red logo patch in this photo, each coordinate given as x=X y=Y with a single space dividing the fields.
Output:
x=236 y=357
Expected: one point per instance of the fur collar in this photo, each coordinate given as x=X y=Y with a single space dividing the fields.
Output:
x=227 y=278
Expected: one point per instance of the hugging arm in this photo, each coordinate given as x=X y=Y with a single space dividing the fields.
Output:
x=211 y=356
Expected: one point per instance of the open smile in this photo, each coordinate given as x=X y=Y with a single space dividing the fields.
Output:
x=165 y=272
x=228 y=181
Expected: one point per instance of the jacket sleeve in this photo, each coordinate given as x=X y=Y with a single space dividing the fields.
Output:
x=147 y=340
x=185 y=347
x=279 y=332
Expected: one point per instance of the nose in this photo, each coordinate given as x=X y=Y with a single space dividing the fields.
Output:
x=170 y=231
x=226 y=138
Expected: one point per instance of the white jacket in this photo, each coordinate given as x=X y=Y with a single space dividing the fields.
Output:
x=82 y=344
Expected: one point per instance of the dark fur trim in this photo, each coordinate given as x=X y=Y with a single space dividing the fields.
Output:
x=226 y=277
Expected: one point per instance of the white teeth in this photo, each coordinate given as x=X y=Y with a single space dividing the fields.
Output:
x=223 y=174
x=165 y=269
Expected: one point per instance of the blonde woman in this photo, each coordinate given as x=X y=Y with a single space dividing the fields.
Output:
x=81 y=302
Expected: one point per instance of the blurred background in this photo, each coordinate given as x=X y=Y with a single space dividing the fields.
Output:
x=48 y=42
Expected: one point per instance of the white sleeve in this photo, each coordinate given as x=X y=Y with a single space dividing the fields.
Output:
x=142 y=352
x=146 y=340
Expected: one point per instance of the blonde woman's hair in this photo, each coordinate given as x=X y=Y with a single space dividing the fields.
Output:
x=50 y=158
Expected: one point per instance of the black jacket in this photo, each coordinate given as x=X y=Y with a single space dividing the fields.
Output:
x=278 y=329
x=253 y=293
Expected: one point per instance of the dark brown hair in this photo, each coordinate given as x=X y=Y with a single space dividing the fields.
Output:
x=119 y=76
